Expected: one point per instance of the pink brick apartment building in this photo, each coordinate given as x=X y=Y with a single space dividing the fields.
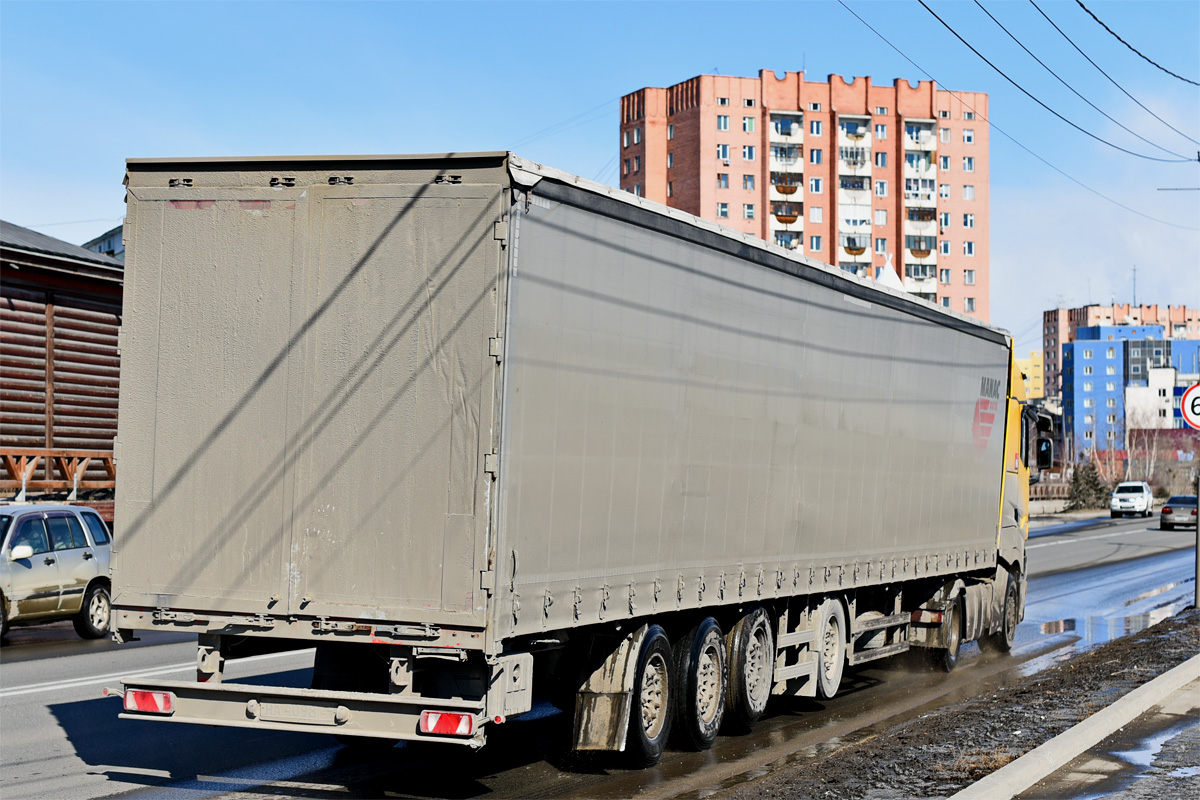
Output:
x=1059 y=326
x=843 y=171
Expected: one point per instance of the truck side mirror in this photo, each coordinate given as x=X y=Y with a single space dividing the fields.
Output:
x=1045 y=453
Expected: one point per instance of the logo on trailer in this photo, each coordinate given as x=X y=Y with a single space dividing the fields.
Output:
x=987 y=407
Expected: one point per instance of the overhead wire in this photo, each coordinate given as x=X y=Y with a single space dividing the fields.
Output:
x=1111 y=79
x=565 y=124
x=1072 y=88
x=1134 y=49
x=1028 y=94
x=1008 y=136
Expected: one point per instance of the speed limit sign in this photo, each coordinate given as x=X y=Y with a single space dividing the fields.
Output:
x=1191 y=406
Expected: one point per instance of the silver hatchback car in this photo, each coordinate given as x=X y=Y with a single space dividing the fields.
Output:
x=54 y=565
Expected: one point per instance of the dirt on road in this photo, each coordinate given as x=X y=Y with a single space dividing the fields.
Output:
x=948 y=749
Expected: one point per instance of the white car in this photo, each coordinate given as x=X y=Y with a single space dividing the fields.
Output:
x=1131 y=497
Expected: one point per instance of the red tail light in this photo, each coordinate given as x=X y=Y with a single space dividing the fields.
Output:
x=1193 y=512
x=1167 y=510
x=443 y=723
x=149 y=702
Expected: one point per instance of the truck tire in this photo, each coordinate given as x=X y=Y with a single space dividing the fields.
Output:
x=1002 y=640
x=831 y=648
x=654 y=688
x=92 y=620
x=946 y=658
x=700 y=675
x=750 y=653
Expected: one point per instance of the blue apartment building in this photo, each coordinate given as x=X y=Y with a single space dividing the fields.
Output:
x=1095 y=370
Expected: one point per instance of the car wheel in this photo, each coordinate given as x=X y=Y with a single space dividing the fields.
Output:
x=750 y=652
x=1114 y=514
x=653 y=690
x=946 y=659
x=831 y=648
x=1165 y=526
x=1002 y=640
x=92 y=620
x=700 y=676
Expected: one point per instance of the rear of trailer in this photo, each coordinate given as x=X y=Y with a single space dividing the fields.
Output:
x=461 y=422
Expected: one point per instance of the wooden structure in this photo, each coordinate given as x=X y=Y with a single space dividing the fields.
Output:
x=60 y=312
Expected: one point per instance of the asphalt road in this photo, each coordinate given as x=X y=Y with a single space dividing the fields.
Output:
x=60 y=738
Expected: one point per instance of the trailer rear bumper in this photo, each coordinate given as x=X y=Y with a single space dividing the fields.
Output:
x=307 y=710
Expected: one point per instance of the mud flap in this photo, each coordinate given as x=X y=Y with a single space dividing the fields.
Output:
x=602 y=703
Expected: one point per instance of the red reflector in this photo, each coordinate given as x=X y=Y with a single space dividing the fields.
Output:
x=922 y=615
x=443 y=723
x=149 y=702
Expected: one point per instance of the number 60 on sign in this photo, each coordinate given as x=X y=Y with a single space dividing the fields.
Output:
x=1190 y=406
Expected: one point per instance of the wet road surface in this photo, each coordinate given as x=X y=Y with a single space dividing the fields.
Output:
x=61 y=739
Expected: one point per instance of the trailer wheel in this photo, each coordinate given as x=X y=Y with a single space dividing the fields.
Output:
x=1002 y=640
x=653 y=687
x=946 y=659
x=831 y=648
x=700 y=673
x=750 y=653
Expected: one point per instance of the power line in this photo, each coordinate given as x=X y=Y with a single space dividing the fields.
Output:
x=565 y=124
x=1110 y=78
x=1072 y=88
x=1006 y=135
x=1040 y=103
x=1134 y=49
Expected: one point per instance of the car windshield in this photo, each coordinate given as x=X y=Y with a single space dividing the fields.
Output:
x=1182 y=500
x=1129 y=488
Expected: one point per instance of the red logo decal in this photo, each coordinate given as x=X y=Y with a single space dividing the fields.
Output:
x=985 y=418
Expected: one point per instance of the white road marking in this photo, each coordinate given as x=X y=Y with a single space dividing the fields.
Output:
x=1076 y=539
x=51 y=686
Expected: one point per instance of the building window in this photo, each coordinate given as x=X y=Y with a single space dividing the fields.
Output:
x=1087 y=353
x=748 y=102
x=637 y=190
x=671 y=130
x=1087 y=386
x=944 y=246
x=722 y=122
x=943 y=115
x=814 y=243
x=814 y=106
x=881 y=131
x=881 y=111
x=969 y=277
x=1113 y=370
x=944 y=219
x=945 y=302
x=1112 y=401
x=625 y=139
x=637 y=135
x=944 y=163
x=1088 y=435
x=748 y=124
x=814 y=127
x=722 y=180
x=1110 y=386
x=625 y=167
x=722 y=101
x=723 y=210
x=881 y=246
x=881 y=159
x=789 y=239
x=968 y=163
x=1110 y=435
x=944 y=276
x=968 y=192
x=816 y=214
x=1109 y=353
x=944 y=134
x=748 y=182
x=1087 y=370
x=881 y=216
x=670 y=160
x=723 y=152
x=670 y=189
x=748 y=210
x=944 y=191
x=968 y=136
x=748 y=152
x=814 y=155
x=637 y=163
x=815 y=186
x=968 y=115
x=1087 y=419
x=1112 y=418
x=881 y=188
x=968 y=220
x=968 y=248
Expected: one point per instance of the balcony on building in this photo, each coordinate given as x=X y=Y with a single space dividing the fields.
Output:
x=855 y=244
x=920 y=192
x=854 y=189
x=787 y=183
x=853 y=159
x=919 y=163
x=854 y=131
x=789 y=240
x=788 y=127
x=921 y=247
x=861 y=270
x=920 y=279
x=787 y=213
x=787 y=157
x=919 y=135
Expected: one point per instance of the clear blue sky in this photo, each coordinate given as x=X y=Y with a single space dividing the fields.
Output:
x=85 y=85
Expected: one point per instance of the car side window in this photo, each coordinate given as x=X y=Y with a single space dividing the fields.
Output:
x=96 y=527
x=33 y=533
x=63 y=534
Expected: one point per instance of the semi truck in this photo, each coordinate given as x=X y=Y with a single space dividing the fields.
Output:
x=478 y=433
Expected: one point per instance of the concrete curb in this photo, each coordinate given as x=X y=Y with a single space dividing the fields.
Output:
x=1030 y=768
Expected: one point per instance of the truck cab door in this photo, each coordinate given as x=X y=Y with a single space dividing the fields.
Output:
x=35 y=583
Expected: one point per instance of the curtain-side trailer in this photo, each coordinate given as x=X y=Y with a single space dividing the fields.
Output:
x=478 y=430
